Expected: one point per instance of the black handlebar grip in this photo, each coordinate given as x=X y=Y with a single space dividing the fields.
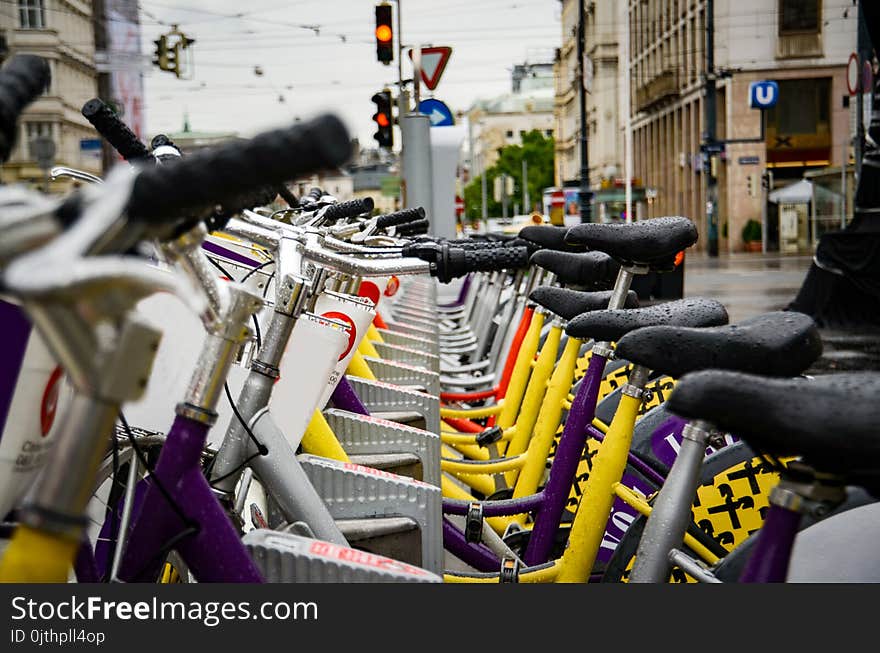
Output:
x=349 y=209
x=400 y=217
x=22 y=79
x=476 y=244
x=257 y=197
x=194 y=185
x=287 y=196
x=414 y=228
x=313 y=195
x=114 y=131
x=462 y=261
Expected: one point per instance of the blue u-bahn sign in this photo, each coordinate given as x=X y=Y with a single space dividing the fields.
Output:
x=763 y=95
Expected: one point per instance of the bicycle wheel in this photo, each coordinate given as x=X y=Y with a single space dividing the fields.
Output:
x=730 y=505
x=106 y=508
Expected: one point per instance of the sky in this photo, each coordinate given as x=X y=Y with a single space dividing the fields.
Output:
x=319 y=55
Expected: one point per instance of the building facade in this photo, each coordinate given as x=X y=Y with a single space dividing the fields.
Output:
x=802 y=45
x=496 y=122
x=62 y=32
x=604 y=81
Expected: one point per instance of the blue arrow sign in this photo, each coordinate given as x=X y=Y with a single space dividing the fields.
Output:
x=763 y=95
x=437 y=111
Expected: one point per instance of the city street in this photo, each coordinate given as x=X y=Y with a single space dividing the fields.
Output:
x=749 y=284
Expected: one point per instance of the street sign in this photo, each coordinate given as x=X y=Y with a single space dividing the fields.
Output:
x=459 y=206
x=90 y=148
x=749 y=160
x=437 y=111
x=852 y=74
x=434 y=60
x=763 y=95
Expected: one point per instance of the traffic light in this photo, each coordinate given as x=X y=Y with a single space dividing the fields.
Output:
x=161 y=58
x=384 y=34
x=167 y=56
x=384 y=120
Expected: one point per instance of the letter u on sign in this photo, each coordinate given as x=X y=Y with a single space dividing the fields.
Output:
x=763 y=95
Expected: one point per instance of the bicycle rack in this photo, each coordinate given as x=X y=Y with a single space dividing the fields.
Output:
x=367 y=435
x=288 y=558
x=355 y=492
x=406 y=340
x=408 y=355
x=404 y=374
x=380 y=397
x=412 y=329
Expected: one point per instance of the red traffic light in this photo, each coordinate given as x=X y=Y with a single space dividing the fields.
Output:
x=383 y=33
x=383 y=119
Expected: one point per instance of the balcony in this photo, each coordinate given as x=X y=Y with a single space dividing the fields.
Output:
x=799 y=46
x=663 y=87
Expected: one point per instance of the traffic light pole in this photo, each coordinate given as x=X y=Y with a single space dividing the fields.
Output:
x=585 y=194
x=416 y=186
x=416 y=173
x=709 y=139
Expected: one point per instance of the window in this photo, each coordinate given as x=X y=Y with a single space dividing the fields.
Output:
x=509 y=133
x=798 y=16
x=803 y=107
x=32 y=14
x=34 y=130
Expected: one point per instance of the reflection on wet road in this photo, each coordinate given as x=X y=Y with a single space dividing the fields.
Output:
x=747 y=284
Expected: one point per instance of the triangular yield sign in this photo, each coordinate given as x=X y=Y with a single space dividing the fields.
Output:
x=434 y=61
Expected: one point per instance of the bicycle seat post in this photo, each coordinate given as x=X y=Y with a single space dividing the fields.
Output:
x=292 y=292
x=665 y=530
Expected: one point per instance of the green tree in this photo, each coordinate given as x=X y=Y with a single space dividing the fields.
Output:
x=537 y=150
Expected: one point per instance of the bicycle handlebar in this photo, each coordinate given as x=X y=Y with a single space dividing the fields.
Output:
x=116 y=132
x=22 y=79
x=349 y=209
x=313 y=251
x=448 y=262
x=414 y=228
x=194 y=185
x=399 y=217
x=288 y=197
x=314 y=195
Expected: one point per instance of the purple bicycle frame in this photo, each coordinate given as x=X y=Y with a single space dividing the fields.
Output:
x=769 y=558
x=548 y=504
x=214 y=553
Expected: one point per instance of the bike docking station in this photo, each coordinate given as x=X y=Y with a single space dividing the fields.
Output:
x=290 y=558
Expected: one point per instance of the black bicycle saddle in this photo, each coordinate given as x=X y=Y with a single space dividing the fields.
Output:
x=780 y=343
x=829 y=421
x=549 y=237
x=612 y=325
x=577 y=268
x=654 y=242
x=567 y=303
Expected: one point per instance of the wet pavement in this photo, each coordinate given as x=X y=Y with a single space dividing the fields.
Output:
x=747 y=284
x=750 y=284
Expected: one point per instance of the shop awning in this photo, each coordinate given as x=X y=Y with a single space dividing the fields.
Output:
x=800 y=192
